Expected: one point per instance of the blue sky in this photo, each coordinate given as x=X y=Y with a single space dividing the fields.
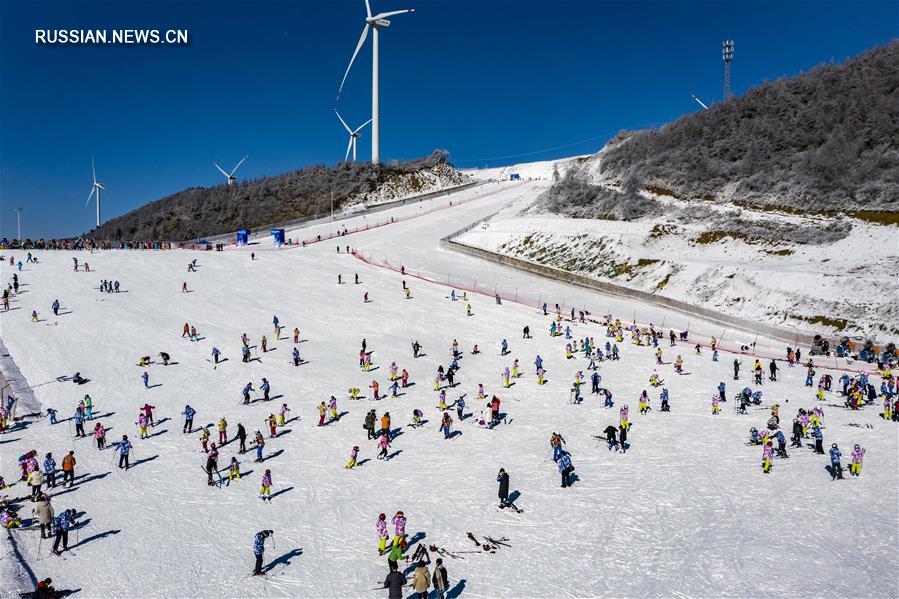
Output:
x=487 y=81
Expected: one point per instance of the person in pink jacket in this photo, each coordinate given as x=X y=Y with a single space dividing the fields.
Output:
x=383 y=444
x=399 y=528
x=767 y=452
x=715 y=399
x=858 y=454
x=100 y=436
x=383 y=535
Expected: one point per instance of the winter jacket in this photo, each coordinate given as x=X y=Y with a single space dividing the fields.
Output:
x=858 y=455
x=503 y=480
x=381 y=527
x=44 y=512
x=399 y=525
x=124 y=447
x=439 y=578
x=259 y=543
x=63 y=521
x=189 y=412
x=610 y=432
x=49 y=466
x=36 y=478
x=394 y=583
x=421 y=580
x=835 y=455
x=564 y=463
x=68 y=463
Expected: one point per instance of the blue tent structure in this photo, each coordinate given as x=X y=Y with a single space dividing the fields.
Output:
x=514 y=177
x=243 y=236
x=278 y=235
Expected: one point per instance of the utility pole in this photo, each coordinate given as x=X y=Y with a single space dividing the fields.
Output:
x=727 y=53
x=19 y=223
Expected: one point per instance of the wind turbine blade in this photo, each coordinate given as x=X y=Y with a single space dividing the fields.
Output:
x=360 y=127
x=367 y=9
x=221 y=170
x=238 y=165
x=349 y=147
x=93 y=169
x=345 y=126
x=358 y=47
x=93 y=189
x=384 y=15
x=100 y=186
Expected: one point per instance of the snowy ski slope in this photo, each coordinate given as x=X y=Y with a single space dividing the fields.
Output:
x=686 y=511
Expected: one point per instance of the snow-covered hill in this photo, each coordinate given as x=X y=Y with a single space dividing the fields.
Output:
x=686 y=511
x=822 y=273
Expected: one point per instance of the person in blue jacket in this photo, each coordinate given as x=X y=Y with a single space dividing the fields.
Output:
x=264 y=387
x=50 y=470
x=836 y=469
x=538 y=362
x=819 y=439
x=505 y=347
x=460 y=405
x=146 y=378
x=124 y=451
x=62 y=523
x=55 y=307
x=188 y=419
x=215 y=354
x=565 y=468
x=79 y=422
x=246 y=392
x=259 y=549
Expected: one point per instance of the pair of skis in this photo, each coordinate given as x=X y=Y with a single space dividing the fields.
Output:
x=490 y=544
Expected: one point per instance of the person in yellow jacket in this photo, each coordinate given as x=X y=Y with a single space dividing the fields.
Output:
x=223 y=430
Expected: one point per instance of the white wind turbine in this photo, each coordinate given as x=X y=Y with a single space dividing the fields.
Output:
x=354 y=135
x=95 y=188
x=230 y=176
x=375 y=23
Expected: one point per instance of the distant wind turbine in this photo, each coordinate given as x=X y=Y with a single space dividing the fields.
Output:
x=95 y=188
x=700 y=102
x=230 y=176
x=375 y=23
x=354 y=135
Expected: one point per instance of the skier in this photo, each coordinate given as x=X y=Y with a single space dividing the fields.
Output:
x=124 y=452
x=260 y=445
x=246 y=393
x=736 y=369
x=234 y=469
x=460 y=405
x=819 y=440
x=259 y=549
x=399 y=528
x=503 y=479
x=623 y=418
x=383 y=444
x=188 y=414
x=55 y=307
x=836 y=469
x=565 y=468
x=332 y=405
x=265 y=387
x=767 y=451
x=369 y=424
x=242 y=437
x=446 y=425
x=296 y=357
x=272 y=423
x=44 y=512
x=610 y=432
x=265 y=493
x=62 y=524
x=223 y=430
x=79 y=422
x=68 y=469
x=142 y=423
x=383 y=535
x=146 y=378
x=215 y=354
x=858 y=454
x=283 y=411
x=50 y=470
x=212 y=464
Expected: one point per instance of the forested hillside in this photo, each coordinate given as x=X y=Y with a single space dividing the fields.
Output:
x=823 y=141
x=201 y=211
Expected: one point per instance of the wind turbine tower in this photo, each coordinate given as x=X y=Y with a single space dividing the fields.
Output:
x=95 y=188
x=374 y=23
